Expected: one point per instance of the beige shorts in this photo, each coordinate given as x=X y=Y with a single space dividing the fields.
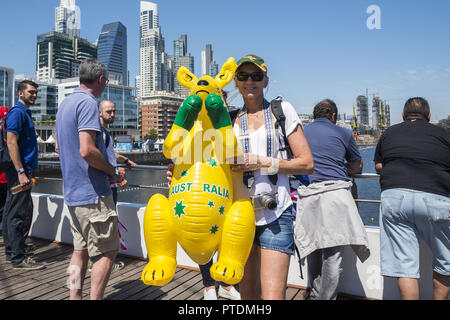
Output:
x=95 y=227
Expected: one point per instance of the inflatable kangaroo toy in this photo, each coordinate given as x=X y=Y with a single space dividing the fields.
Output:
x=200 y=214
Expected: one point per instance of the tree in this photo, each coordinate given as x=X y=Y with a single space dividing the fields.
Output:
x=444 y=123
x=152 y=135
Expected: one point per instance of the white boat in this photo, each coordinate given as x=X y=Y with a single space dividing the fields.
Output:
x=51 y=222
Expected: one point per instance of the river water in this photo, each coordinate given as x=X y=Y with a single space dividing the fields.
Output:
x=368 y=189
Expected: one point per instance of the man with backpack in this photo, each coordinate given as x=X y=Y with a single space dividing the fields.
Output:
x=23 y=152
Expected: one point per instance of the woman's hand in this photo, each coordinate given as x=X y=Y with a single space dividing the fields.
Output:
x=251 y=162
x=169 y=172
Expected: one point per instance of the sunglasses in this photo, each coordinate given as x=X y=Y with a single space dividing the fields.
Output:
x=256 y=76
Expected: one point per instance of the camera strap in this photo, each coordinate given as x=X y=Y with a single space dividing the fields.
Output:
x=249 y=178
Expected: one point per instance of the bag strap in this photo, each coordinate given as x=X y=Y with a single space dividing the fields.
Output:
x=233 y=115
x=278 y=113
x=107 y=136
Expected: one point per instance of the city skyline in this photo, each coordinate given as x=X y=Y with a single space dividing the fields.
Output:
x=314 y=50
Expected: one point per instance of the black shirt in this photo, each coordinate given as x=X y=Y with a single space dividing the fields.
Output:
x=415 y=155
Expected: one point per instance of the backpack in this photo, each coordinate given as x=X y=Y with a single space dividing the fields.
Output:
x=5 y=159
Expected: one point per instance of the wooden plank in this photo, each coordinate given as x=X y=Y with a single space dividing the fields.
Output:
x=135 y=289
x=16 y=289
x=301 y=295
x=55 y=293
x=181 y=288
x=131 y=270
x=45 y=278
x=290 y=293
x=39 y=275
x=158 y=294
x=125 y=284
x=191 y=291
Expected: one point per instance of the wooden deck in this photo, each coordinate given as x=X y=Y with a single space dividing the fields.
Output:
x=125 y=284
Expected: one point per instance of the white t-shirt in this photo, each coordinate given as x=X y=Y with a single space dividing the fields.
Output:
x=262 y=183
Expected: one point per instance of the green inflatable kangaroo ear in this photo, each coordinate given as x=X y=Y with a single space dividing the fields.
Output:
x=186 y=78
x=226 y=73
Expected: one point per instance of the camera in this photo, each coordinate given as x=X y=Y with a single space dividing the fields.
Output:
x=265 y=200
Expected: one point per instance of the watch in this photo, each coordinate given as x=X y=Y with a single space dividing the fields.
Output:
x=20 y=171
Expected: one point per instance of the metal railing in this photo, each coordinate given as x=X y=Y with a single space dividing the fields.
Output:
x=365 y=176
x=161 y=185
x=165 y=186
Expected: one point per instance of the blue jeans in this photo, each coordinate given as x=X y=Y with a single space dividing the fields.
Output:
x=278 y=235
x=17 y=218
x=405 y=216
x=324 y=272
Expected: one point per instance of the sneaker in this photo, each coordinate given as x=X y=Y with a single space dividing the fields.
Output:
x=209 y=294
x=90 y=265
x=28 y=264
x=231 y=294
x=119 y=265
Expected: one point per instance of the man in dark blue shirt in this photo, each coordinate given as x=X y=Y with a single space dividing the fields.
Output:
x=23 y=150
x=327 y=216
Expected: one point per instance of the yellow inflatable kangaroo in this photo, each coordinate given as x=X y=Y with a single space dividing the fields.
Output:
x=200 y=213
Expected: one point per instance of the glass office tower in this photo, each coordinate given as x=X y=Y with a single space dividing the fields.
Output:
x=6 y=87
x=112 y=51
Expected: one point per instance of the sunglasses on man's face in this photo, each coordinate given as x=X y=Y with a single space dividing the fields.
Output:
x=256 y=76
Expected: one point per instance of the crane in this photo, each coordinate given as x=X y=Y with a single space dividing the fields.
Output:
x=355 y=125
x=382 y=122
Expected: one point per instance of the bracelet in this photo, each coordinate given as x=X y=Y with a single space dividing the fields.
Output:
x=20 y=171
x=116 y=173
x=127 y=161
x=273 y=170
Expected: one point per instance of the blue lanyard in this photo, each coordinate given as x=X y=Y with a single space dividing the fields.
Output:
x=269 y=130
x=270 y=142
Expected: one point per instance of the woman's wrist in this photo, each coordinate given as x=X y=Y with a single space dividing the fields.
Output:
x=274 y=167
x=268 y=164
x=264 y=162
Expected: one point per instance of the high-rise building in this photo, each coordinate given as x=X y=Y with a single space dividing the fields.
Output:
x=209 y=66
x=362 y=110
x=180 y=46
x=112 y=52
x=60 y=55
x=6 y=87
x=127 y=109
x=68 y=18
x=151 y=49
x=167 y=70
x=213 y=69
x=207 y=58
x=158 y=111
x=377 y=112
x=181 y=58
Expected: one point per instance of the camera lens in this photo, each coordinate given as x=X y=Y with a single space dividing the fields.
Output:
x=269 y=202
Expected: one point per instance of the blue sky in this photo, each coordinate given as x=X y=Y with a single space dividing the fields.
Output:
x=314 y=49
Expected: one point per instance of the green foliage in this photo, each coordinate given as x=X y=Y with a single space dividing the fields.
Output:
x=444 y=123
